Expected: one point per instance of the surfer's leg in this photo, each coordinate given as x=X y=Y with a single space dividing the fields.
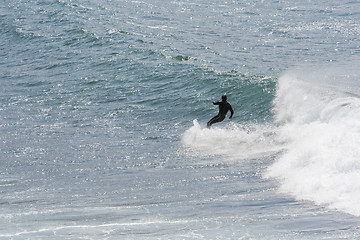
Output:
x=215 y=119
x=210 y=122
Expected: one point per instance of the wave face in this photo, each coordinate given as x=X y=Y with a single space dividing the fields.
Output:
x=319 y=115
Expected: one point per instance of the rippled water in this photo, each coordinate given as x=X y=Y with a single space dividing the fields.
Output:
x=103 y=106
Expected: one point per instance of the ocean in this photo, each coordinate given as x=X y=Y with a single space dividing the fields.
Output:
x=104 y=105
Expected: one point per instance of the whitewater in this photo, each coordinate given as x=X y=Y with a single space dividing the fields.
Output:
x=316 y=137
x=103 y=111
x=321 y=124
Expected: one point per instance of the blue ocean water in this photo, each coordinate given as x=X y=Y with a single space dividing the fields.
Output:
x=103 y=108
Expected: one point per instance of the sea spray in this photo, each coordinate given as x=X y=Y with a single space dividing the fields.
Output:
x=320 y=120
x=232 y=141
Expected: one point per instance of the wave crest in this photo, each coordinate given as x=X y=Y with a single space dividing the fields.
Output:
x=321 y=122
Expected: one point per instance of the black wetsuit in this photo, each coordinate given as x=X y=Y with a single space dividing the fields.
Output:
x=224 y=107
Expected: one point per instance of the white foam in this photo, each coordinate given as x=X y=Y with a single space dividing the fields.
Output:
x=233 y=142
x=320 y=115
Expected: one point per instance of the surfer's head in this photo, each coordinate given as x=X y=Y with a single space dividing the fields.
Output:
x=224 y=97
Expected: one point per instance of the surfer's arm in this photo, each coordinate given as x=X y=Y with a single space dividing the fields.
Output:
x=232 y=112
x=215 y=103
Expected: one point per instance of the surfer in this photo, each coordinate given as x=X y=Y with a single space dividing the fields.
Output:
x=224 y=107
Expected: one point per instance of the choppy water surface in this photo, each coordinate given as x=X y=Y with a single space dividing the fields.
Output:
x=103 y=107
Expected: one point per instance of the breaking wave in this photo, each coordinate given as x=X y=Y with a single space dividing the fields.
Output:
x=319 y=115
